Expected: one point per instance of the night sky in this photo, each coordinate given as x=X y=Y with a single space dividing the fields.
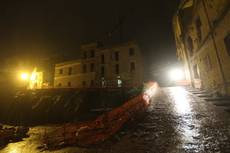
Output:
x=56 y=28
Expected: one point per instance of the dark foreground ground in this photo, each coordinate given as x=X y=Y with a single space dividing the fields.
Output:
x=178 y=121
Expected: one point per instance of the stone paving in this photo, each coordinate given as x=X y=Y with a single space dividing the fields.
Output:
x=177 y=121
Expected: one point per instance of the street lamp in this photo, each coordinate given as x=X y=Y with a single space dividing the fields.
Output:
x=24 y=76
x=176 y=74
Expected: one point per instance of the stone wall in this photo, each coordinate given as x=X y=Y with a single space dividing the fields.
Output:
x=208 y=58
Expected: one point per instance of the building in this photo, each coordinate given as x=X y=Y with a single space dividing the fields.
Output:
x=68 y=74
x=113 y=66
x=202 y=35
x=35 y=80
x=23 y=73
x=14 y=78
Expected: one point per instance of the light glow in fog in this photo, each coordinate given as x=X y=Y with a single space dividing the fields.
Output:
x=189 y=126
x=182 y=104
x=176 y=75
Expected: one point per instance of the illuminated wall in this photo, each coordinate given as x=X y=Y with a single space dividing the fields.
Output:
x=204 y=37
x=102 y=66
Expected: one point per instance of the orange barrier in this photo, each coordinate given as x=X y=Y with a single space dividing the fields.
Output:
x=99 y=130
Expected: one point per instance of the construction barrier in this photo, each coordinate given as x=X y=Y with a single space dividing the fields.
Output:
x=103 y=127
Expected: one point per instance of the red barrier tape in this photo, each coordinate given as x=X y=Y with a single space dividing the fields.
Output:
x=106 y=125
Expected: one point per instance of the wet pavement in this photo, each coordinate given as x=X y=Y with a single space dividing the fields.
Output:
x=177 y=121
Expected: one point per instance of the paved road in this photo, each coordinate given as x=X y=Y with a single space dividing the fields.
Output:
x=176 y=122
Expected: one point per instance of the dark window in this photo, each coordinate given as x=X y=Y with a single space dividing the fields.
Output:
x=131 y=51
x=117 y=56
x=70 y=70
x=92 y=67
x=198 y=28
x=92 y=53
x=85 y=55
x=92 y=82
x=102 y=58
x=132 y=67
x=190 y=45
x=60 y=71
x=84 y=68
x=208 y=63
x=196 y=71
x=117 y=69
x=69 y=84
x=111 y=56
x=83 y=83
x=59 y=84
x=227 y=43
x=102 y=71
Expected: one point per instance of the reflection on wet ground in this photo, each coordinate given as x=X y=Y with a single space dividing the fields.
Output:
x=177 y=122
x=188 y=127
x=202 y=127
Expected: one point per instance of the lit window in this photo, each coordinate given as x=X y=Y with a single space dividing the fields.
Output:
x=103 y=82
x=119 y=81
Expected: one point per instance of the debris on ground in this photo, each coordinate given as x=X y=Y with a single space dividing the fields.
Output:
x=12 y=134
x=102 y=128
x=169 y=121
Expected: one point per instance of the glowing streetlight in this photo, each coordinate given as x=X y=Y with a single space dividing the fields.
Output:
x=33 y=76
x=24 y=76
x=176 y=74
x=31 y=80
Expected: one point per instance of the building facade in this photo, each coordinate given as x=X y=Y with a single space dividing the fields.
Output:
x=70 y=74
x=202 y=35
x=113 y=66
x=35 y=80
